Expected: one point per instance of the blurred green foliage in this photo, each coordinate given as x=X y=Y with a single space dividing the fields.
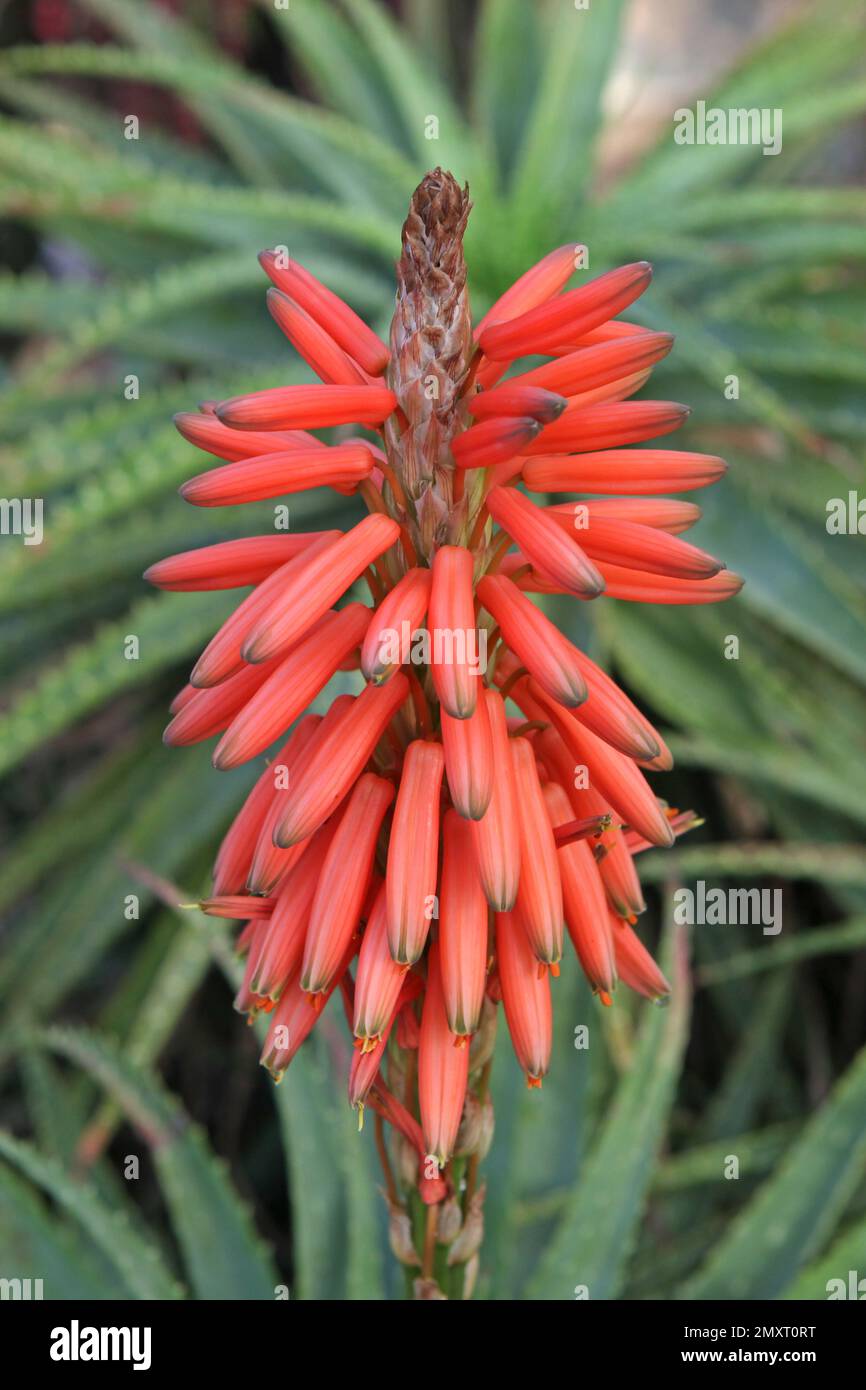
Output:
x=614 y=1176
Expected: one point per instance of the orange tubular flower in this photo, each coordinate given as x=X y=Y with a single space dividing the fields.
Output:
x=453 y=631
x=230 y=564
x=302 y=407
x=623 y=471
x=497 y=833
x=634 y=963
x=534 y=640
x=343 y=882
x=323 y=782
x=462 y=928
x=206 y=432
x=289 y=687
x=545 y=543
x=413 y=852
x=443 y=1069
x=315 y=583
x=586 y=915
x=468 y=748
x=397 y=618
x=222 y=657
x=379 y=979
x=276 y=474
x=487 y=718
x=539 y=896
x=525 y=996
x=270 y=863
x=276 y=953
x=315 y=344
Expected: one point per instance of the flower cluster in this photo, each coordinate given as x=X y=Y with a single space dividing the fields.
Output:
x=422 y=847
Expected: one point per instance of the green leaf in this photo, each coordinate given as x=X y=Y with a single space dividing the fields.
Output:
x=597 y=1230
x=92 y=673
x=139 y=1264
x=788 y=950
x=223 y=1256
x=785 y=1224
x=556 y=155
x=843 y=1256
x=38 y=1245
x=506 y=57
x=335 y=1207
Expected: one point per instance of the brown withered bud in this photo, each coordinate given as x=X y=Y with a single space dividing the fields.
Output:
x=484 y=1040
x=475 y=1134
x=406 y=1161
x=400 y=1235
x=431 y=347
x=450 y=1221
x=468 y=1243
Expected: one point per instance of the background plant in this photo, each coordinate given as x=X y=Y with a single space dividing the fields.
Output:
x=137 y=258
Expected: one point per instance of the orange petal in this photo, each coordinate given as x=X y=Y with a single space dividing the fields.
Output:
x=307 y=407
x=535 y=286
x=539 y=895
x=639 y=586
x=291 y=686
x=613 y=775
x=271 y=863
x=235 y=854
x=313 y=342
x=468 y=748
x=277 y=954
x=591 y=367
x=534 y=639
x=609 y=540
x=496 y=834
x=462 y=928
x=584 y=428
x=455 y=651
x=556 y=554
x=516 y=399
x=525 y=995
x=583 y=897
x=279 y=474
x=379 y=977
x=221 y=657
x=341 y=322
x=208 y=712
x=229 y=564
x=642 y=471
x=343 y=882
x=387 y=644
x=324 y=779
x=567 y=316
x=413 y=851
x=208 y=433
x=635 y=965
x=314 y=586
x=443 y=1069
x=493 y=441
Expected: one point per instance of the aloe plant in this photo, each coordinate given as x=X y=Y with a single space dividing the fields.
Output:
x=759 y=272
